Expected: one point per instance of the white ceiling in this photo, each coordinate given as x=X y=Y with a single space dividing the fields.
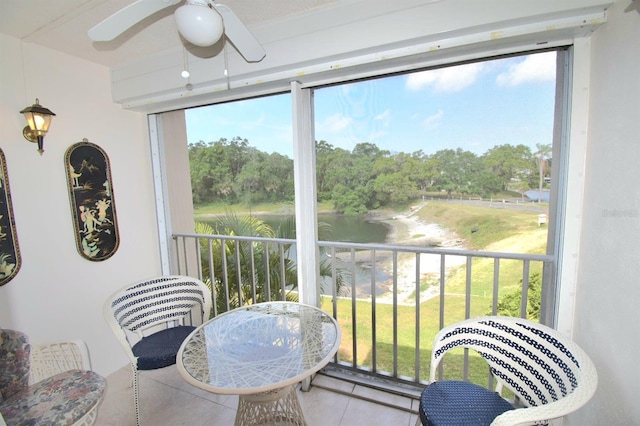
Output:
x=63 y=25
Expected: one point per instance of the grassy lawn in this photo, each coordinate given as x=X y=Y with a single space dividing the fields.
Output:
x=406 y=338
x=498 y=230
x=481 y=227
x=213 y=209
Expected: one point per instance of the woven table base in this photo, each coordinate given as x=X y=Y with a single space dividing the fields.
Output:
x=275 y=407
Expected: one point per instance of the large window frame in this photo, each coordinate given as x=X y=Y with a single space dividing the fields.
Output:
x=563 y=241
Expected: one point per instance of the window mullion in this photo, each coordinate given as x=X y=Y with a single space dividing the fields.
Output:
x=304 y=169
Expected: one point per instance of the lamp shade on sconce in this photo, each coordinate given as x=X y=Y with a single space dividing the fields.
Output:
x=38 y=122
x=199 y=24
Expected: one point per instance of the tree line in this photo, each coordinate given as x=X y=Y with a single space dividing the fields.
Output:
x=365 y=178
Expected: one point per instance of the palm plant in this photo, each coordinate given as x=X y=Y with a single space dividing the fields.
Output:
x=287 y=230
x=247 y=272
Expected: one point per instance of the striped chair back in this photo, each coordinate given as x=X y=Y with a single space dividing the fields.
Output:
x=537 y=363
x=160 y=300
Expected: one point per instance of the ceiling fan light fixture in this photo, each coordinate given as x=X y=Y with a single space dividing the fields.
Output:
x=199 y=24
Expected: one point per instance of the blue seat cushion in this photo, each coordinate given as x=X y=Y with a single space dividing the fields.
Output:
x=454 y=403
x=159 y=350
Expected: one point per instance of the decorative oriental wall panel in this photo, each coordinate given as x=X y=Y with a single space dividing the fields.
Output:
x=9 y=250
x=92 y=201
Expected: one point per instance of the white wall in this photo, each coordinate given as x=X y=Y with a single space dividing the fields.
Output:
x=57 y=294
x=608 y=291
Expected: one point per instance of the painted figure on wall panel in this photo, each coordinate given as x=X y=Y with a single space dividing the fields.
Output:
x=92 y=201
x=9 y=251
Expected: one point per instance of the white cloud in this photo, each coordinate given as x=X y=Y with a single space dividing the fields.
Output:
x=534 y=68
x=345 y=89
x=433 y=121
x=377 y=135
x=384 y=117
x=335 y=123
x=451 y=79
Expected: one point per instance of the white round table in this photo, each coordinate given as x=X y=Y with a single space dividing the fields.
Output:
x=260 y=352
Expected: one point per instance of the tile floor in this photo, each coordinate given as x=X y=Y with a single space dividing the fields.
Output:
x=167 y=400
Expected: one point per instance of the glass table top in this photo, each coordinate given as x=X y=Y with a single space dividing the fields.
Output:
x=257 y=348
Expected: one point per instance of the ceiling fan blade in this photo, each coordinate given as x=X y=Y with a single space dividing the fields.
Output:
x=127 y=17
x=240 y=35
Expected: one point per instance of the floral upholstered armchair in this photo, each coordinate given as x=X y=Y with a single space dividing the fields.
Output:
x=47 y=384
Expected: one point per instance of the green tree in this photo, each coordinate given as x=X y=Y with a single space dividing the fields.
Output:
x=249 y=181
x=232 y=171
x=324 y=153
x=204 y=174
x=509 y=304
x=348 y=201
x=485 y=183
x=393 y=188
x=396 y=179
x=508 y=162
x=338 y=170
x=214 y=168
x=457 y=170
x=368 y=150
x=345 y=178
x=542 y=154
x=418 y=170
x=359 y=180
x=277 y=180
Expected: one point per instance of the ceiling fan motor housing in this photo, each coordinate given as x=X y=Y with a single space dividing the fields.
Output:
x=199 y=24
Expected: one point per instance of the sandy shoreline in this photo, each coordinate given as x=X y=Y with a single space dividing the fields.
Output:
x=407 y=229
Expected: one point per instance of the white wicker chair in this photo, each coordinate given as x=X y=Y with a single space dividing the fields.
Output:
x=548 y=373
x=55 y=385
x=152 y=318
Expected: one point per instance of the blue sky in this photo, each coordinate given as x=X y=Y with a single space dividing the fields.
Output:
x=474 y=107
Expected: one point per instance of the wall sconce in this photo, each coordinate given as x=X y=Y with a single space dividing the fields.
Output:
x=39 y=120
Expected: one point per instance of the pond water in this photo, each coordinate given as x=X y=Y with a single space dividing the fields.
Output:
x=350 y=229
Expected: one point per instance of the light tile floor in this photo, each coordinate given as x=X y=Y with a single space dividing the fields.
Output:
x=167 y=400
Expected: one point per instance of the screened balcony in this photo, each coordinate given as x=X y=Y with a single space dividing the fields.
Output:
x=389 y=300
x=382 y=365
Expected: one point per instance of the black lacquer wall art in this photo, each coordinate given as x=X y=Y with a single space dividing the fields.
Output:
x=9 y=250
x=92 y=201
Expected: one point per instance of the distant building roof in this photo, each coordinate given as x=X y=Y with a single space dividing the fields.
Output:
x=533 y=194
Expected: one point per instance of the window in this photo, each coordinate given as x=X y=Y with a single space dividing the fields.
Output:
x=432 y=159
x=478 y=134
x=241 y=155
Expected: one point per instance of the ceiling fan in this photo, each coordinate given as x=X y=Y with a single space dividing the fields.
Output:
x=201 y=22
